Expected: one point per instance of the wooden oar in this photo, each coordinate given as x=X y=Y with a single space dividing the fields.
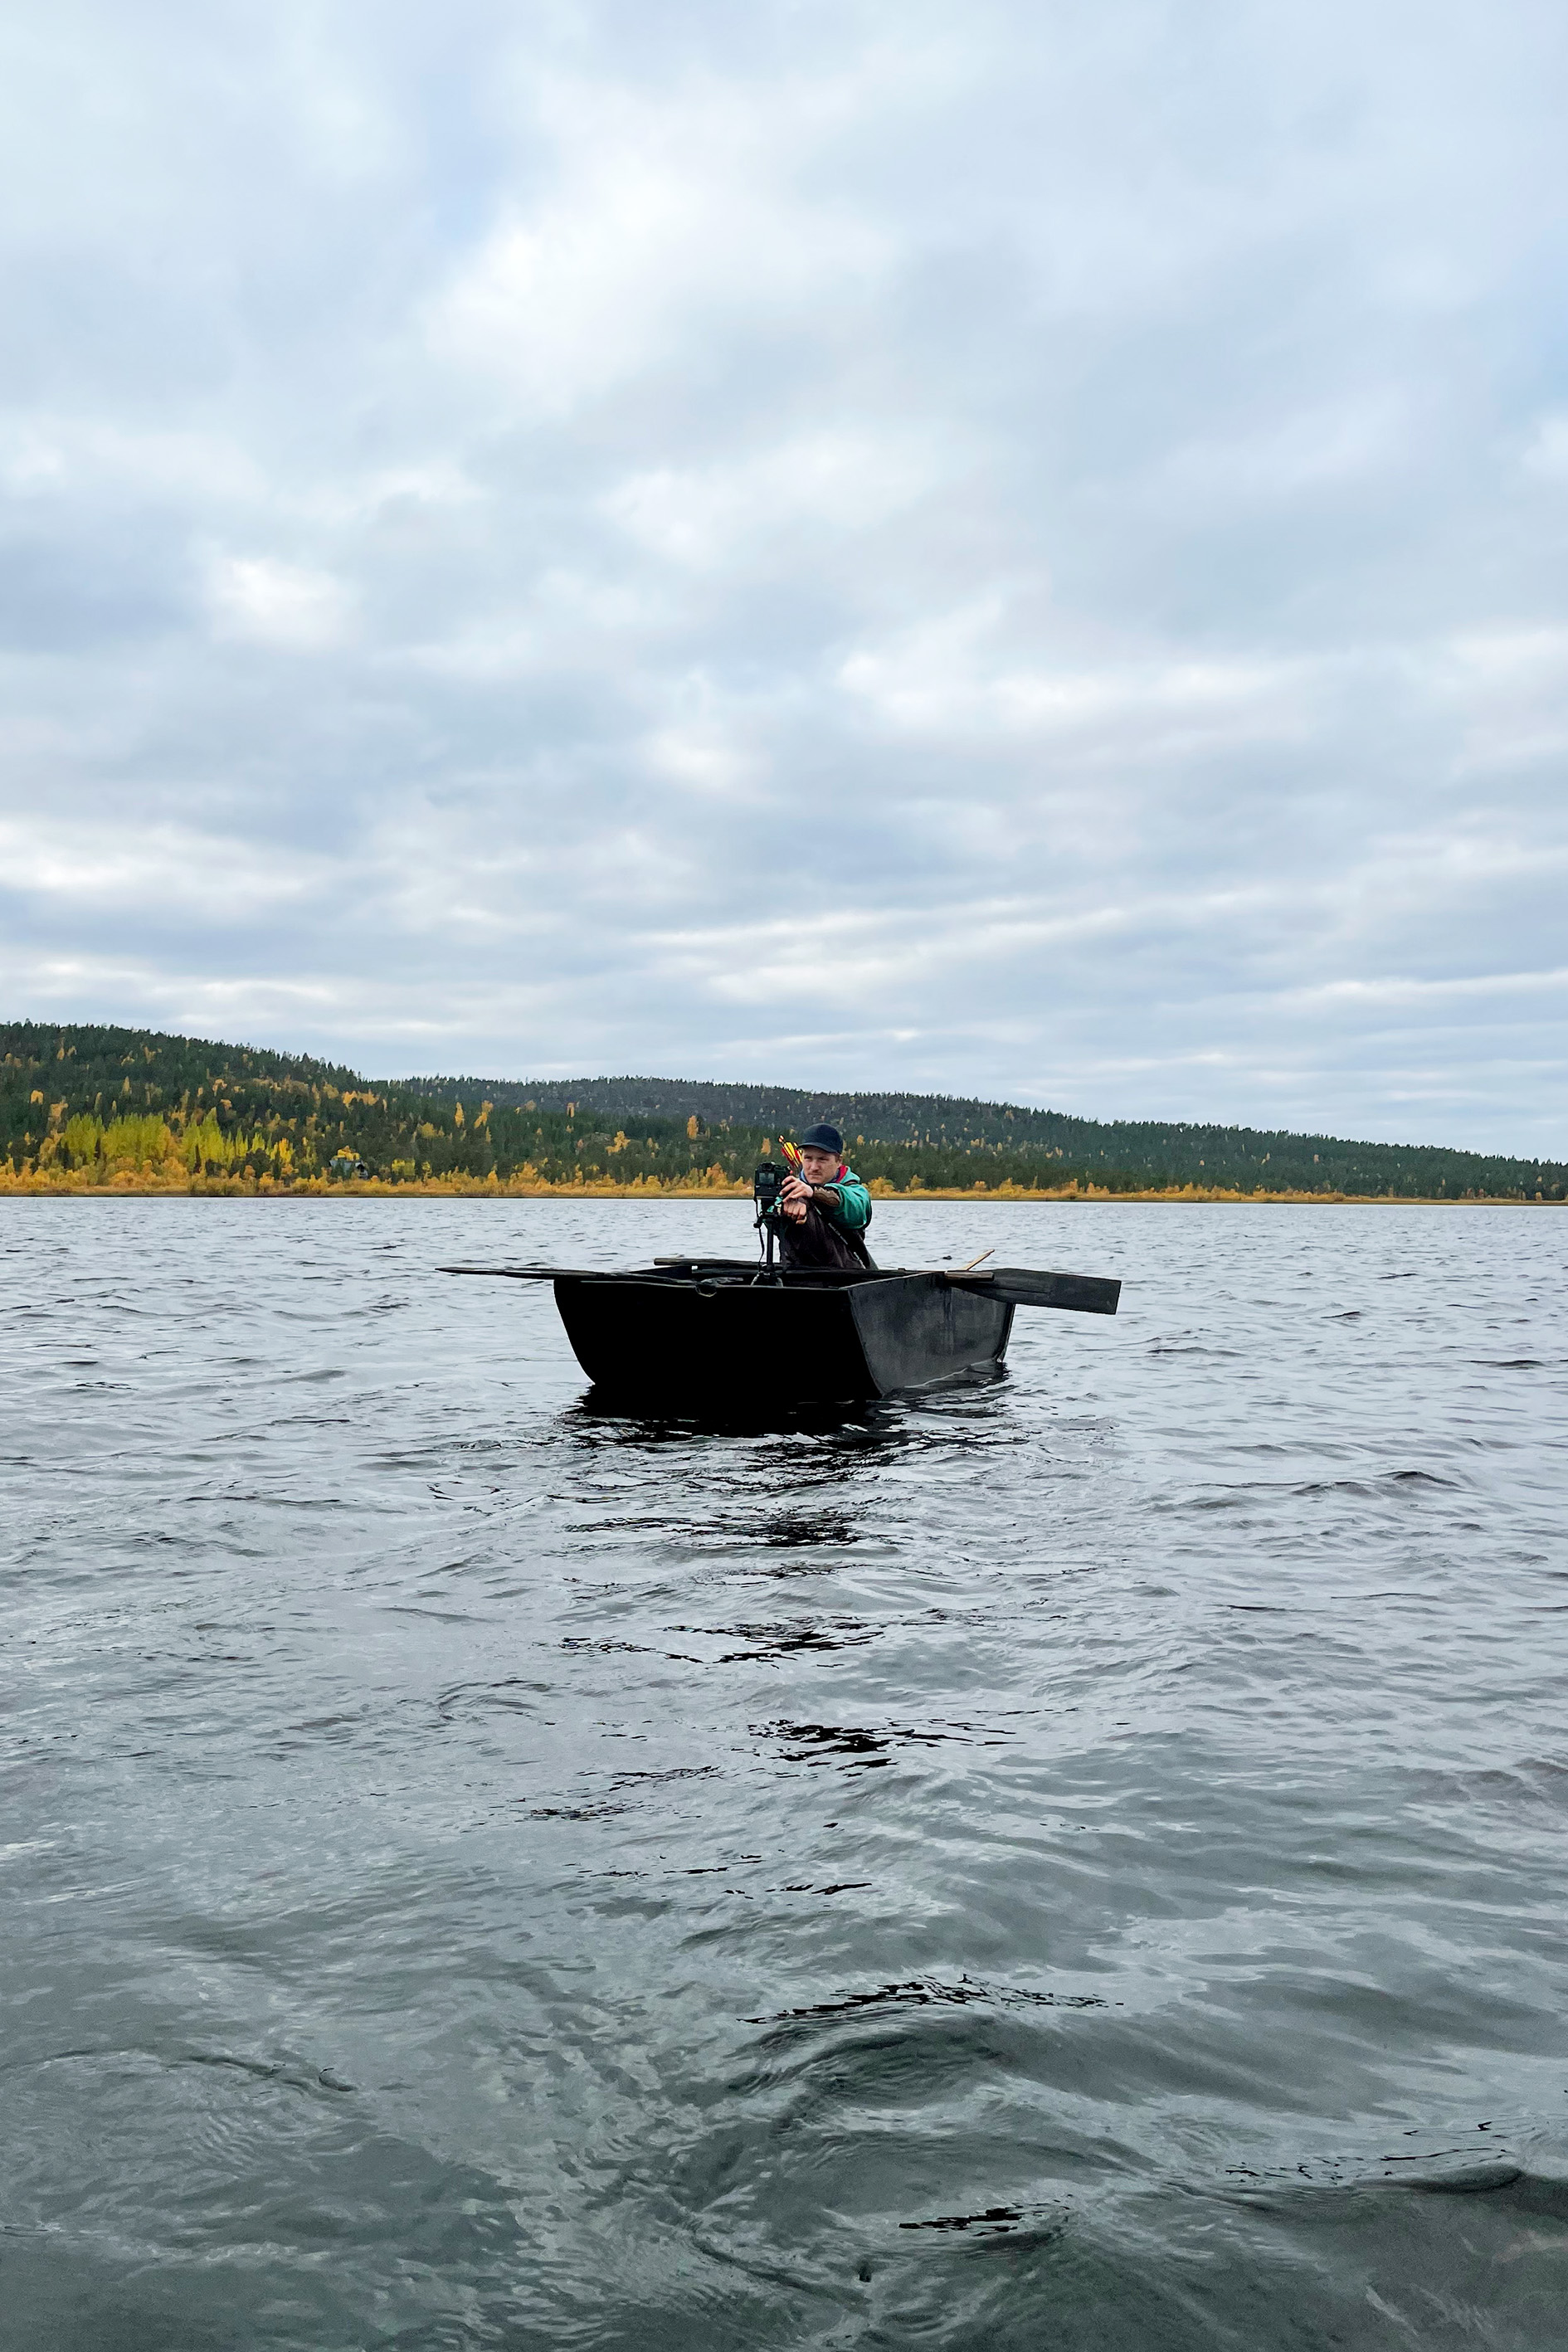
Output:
x=605 y=1273
x=1022 y=1285
x=516 y=1273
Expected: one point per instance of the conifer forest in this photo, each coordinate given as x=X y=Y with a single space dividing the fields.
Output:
x=96 y=1108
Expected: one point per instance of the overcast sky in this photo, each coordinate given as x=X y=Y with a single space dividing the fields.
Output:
x=1014 y=549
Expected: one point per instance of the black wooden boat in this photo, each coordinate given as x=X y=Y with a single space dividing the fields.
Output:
x=725 y=1330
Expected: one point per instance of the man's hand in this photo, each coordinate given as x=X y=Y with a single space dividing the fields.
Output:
x=795 y=1196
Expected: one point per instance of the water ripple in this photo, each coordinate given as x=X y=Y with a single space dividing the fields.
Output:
x=1073 y=1859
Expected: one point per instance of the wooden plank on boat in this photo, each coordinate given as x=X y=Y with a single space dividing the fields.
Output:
x=515 y=1273
x=662 y=1269
x=1022 y=1286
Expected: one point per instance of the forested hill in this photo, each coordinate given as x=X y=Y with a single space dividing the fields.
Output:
x=1157 y=1153
x=82 y=1105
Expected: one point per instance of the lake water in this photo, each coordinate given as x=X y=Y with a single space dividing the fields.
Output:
x=1075 y=1862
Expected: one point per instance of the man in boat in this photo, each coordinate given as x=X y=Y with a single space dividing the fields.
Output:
x=823 y=1212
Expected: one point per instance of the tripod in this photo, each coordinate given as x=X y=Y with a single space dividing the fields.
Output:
x=766 y=1185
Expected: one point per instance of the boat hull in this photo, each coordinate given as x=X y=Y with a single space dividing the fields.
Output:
x=810 y=1337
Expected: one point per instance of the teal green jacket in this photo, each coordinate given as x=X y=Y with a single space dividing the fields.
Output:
x=854 y=1209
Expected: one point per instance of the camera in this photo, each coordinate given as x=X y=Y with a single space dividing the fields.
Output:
x=766 y=1185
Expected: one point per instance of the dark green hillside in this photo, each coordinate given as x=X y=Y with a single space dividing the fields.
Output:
x=81 y=1105
x=951 y=1138
x=71 y=1096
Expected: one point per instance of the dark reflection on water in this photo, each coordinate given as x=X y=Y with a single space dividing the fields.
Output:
x=1075 y=1859
x=747 y=1420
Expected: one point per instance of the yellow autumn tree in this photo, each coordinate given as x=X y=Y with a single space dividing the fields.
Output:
x=206 y=1145
x=138 y=1140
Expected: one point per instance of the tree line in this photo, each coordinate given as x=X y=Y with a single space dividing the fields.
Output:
x=101 y=1104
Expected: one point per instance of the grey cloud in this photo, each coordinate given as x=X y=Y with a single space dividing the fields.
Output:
x=1020 y=555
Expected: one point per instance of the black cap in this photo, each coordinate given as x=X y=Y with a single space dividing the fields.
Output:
x=822 y=1138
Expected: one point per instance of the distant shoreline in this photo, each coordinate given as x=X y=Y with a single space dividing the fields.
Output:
x=104 y=1109
x=373 y=1189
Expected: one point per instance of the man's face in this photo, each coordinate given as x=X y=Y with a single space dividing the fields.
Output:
x=818 y=1167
